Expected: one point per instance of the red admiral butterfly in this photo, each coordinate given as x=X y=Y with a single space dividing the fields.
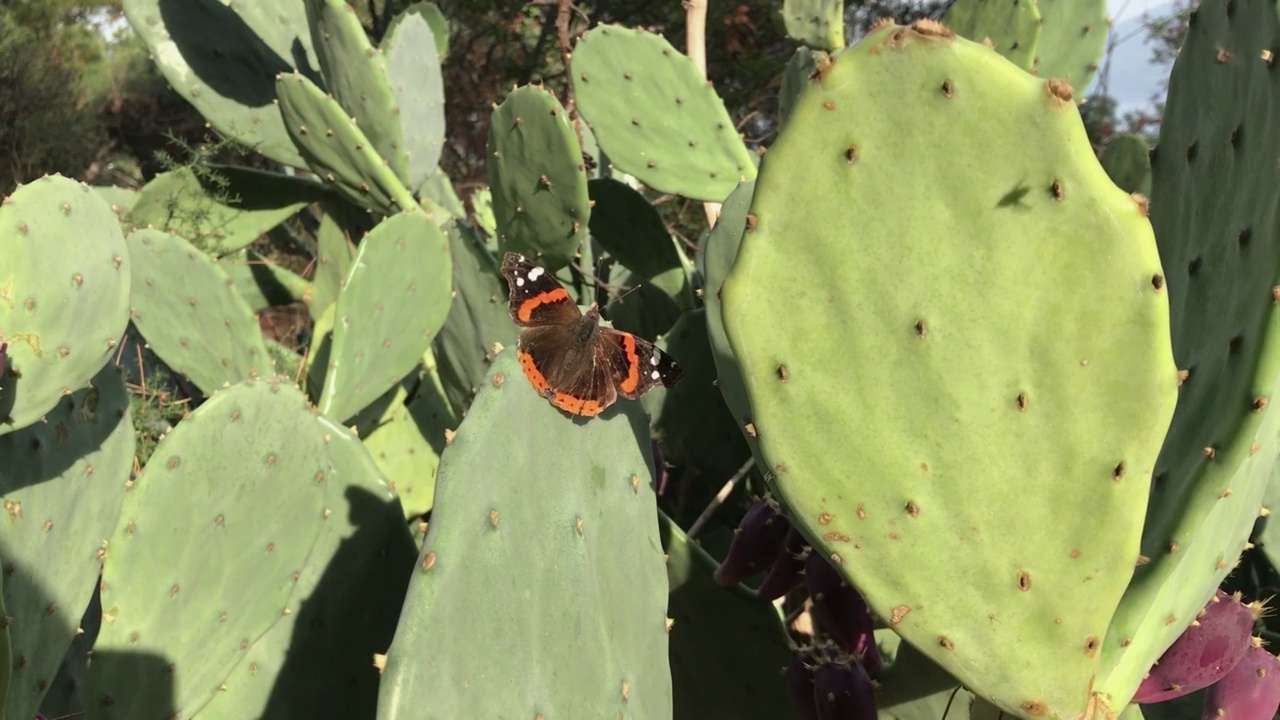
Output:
x=571 y=359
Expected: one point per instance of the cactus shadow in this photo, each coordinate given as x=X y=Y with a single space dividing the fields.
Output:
x=149 y=694
x=350 y=615
x=53 y=465
x=225 y=53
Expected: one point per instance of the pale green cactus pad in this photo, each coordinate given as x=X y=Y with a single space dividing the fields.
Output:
x=954 y=336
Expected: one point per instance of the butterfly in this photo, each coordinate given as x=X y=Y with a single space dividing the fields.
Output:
x=572 y=360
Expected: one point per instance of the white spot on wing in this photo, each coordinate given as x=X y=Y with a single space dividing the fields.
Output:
x=653 y=359
x=519 y=282
x=536 y=273
x=654 y=375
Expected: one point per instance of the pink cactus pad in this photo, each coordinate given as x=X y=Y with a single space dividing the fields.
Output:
x=1250 y=691
x=1205 y=652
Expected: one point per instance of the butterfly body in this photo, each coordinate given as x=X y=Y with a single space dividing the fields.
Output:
x=571 y=359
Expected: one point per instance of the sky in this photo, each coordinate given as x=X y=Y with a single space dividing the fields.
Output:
x=1132 y=79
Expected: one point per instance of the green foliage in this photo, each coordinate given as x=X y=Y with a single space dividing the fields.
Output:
x=957 y=394
x=576 y=541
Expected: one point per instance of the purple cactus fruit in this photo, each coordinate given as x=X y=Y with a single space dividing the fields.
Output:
x=788 y=570
x=843 y=691
x=840 y=609
x=800 y=682
x=756 y=543
x=1250 y=691
x=1203 y=653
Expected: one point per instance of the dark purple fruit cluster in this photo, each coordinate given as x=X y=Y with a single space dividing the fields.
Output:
x=828 y=680
x=1219 y=652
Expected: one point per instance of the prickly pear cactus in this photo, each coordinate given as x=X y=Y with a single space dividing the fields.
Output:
x=576 y=541
x=222 y=58
x=63 y=482
x=631 y=230
x=816 y=23
x=336 y=149
x=392 y=304
x=1012 y=27
x=185 y=307
x=538 y=178
x=413 y=68
x=64 y=293
x=1125 y=158
x=1073 y=34
x=224 y=541
x=655 y=116
x=991 y=422
x=1214 y=209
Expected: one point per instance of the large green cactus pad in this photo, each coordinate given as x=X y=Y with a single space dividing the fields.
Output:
x=962 y=384
x=223 y=58
x=184 y=305
x=538 y=178
x=413 y=68
x=816 y=23
x=1215 y=189
x=356 y=75
x=1073 y=34
x=655 y=116
x=64 y=293
x=1012 y=26
x=631 y=230
x=316 y=660
x=63 y=481
x=393 y=303
x=540 y=589
x=218 y=542
x=337 y=149
x=1125 y=158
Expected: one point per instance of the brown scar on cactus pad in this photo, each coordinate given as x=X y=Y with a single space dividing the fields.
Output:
x=1059 y=93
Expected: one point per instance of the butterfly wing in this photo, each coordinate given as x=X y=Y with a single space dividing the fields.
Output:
x=535 y=296
x=574 y=378
x=638 y=364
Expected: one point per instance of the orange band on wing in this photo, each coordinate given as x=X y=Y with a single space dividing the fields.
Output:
x=577 y=406
x=531 y=371
x=632 y=380
x=528 y=306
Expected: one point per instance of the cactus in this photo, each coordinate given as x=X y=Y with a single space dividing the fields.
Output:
x=336 y=149
x=356 y=75
x=1011 y=26
x=578 y=542
x=406 y=441
x=632 y=231
x=262 y=283
x=816 y=23
x=478 y=320
x=223 y=60
x=268 y=527
x=392 y=304
x=655 y=116
x=120 y=199
x=334 y=254
x=413 y=68
x=726 y=645
x=183 y=304
x=843 y=691
x=758 y=541
x=1125 y=158
x=941 y=371
x=1073 y=34
x=435 y=20
x=63 y=482
x=64 y=294
x=1222 y=265
x=803 y=63
x=220 y=209
x=538 y=179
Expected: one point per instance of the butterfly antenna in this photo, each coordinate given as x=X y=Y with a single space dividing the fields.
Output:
x=630 y=290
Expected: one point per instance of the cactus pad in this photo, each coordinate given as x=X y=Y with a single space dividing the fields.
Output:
x=576 y=541
x=1125 y=158
x=1073 y=34
x=631 y=230
x=989 y=421
x=1012 y=26
x=538 y=178
x=64 y=293
x=185 y=307
x=655 y=116
x=63 y=482
x=816 y=23
x=1215 y=187
x=413 y=68
x=393 y=303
